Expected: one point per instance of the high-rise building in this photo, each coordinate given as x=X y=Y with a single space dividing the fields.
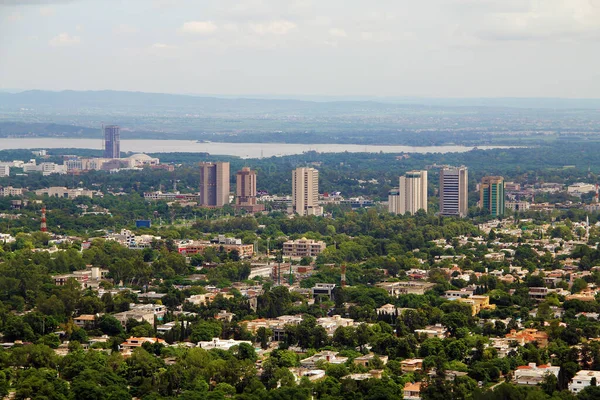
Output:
x=214 y=184
x=305 y=191
x=393 y=200
x=491 y=195
x=454 y=191
x=412 y=192
x=246 y=191
x=112 y=141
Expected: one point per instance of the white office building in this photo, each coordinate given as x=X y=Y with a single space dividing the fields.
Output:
x=412 y=193
x=305 y=192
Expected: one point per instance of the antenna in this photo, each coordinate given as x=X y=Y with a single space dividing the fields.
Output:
x=343 y=277
x=43 y=226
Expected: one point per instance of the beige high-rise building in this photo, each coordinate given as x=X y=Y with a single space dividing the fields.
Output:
x=214 y=184
x=305 y=191
x=412 y=193
x=246 y=191
x=454 y=191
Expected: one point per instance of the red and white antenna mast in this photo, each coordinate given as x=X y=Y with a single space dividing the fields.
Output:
x=43 y=226
x=596 y=196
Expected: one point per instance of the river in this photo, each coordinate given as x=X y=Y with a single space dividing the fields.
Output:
x=245 y=150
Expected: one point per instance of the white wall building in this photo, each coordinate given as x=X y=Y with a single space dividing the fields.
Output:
x=4 y=170
x=533 y=374
x=412 y=193
x=305 y=192
x=217 y=343
x=583 y=379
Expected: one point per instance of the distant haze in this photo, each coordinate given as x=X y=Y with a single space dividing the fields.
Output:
x=361 y=49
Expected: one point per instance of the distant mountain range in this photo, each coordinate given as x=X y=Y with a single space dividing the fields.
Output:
x=109 y=99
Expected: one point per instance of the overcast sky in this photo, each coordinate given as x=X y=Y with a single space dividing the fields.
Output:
x=429 y=48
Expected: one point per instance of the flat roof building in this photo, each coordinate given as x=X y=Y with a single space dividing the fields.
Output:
x=214 y=184
x=305 y=191
x=454 y=194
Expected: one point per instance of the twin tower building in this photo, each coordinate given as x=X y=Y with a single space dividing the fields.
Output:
x=411 y=195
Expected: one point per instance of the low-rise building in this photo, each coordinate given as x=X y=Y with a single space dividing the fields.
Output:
x=206 y=298
x=583 y=379
x=533 y=374
x=412 y=391
x=367 y=360
x=63 y=192
x=529 y=336
x=433 y=331
x=323 y=289
x=411 y=365
x=325 y=356
x=478 y=303
x=406 y=287
x=190 y=247
x=10 y=191
x=303 y=248
x=330 y=324
x=221 y=344
x=85 y=320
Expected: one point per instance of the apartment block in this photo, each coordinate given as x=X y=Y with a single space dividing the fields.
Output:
x=303 y=248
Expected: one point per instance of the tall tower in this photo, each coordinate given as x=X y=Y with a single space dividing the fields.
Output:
x=43 y=226
x=305 y=191
x=412 y=192
x=214 y=184
x=454 y=192
x=112 y=141
x=491 y=195
x=245 y=190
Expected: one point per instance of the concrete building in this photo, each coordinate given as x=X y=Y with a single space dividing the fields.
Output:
x=327 y=356
x=4 y=170
x=393 y=200
x=10 y=191
x=518 y=205
x=491 y=195
x=412 y=193
x=323 y=289
x=533 y=374
x=454 y=191
x=303 y=248
x=411 y=365
x=61 y=191
x=245 y=191
x=221 y=344
x=112 y=141
x=396 y=289
x=412 y=391
x=581 y=188
x=305 y=192
x=214 y=184
x=583 y=379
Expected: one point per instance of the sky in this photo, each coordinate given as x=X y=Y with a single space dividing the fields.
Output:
x=403 y=48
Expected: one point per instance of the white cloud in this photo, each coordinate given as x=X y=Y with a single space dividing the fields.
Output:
x=278 y=27
x=46 y=11
x=230 y=27
x=14 y=17
x=339 y=33
x=531 y=19
x=198 y=27
x=160 y=46
x=125 y=29
x=64 y=39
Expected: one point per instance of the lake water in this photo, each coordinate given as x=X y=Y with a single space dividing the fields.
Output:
x=246 y=150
